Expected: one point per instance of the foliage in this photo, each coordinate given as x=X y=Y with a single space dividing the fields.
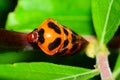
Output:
x=74 y=14
x=44 y=71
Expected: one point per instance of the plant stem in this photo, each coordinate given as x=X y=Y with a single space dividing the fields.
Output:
x=14 y=41
x=103 y=66
x=18 y=41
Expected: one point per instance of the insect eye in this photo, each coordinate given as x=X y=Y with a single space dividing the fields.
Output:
x=32 y=37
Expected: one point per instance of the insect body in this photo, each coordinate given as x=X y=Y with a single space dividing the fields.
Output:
x=55 y=39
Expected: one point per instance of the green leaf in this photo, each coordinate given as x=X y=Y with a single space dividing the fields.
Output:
x=106 y=16
x=44 y=71
x=117 y=65
x=30 y=14
x=116 y=72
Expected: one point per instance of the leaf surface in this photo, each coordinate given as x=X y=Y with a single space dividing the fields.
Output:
x=116 y=72
x=44 y=71
x=106 y=18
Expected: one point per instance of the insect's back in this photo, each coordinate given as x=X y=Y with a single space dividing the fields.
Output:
x=51 y=36
x=55 y=39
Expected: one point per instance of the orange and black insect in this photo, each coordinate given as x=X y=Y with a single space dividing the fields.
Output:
x=55 y=39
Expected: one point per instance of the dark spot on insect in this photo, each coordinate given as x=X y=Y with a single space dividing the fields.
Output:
x=63 y=52
x=74 y=33
x=41 y=35
x=65 y=43
x=73 y=38
x=54 y=44
x=54 y=27
x=74 y=47
x=65 y=31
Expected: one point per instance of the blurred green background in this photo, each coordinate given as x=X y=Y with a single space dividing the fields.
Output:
x=6 y=6
x=25 y=15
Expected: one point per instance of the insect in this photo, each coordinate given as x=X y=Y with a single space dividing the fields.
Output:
x=55 y=39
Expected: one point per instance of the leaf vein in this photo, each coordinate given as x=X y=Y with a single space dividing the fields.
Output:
x=106 y=22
